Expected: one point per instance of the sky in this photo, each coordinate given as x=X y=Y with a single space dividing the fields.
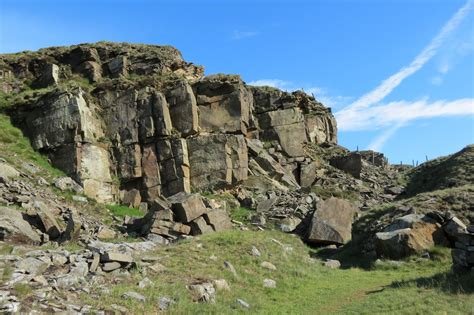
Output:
x=398 y=74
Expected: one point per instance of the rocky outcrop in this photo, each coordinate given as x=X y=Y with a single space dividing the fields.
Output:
x=150 y=122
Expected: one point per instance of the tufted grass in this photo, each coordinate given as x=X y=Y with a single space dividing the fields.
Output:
x=304 y=285
x=15 y=147
x=122 y=211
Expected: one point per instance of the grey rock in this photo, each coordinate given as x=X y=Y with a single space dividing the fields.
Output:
x=164 y=303
x=332 y=263
x=268 y=265
x=230 y=267
x=242 y=303
x=7 y=171
x=14 y=229
x=269 y=283
x=134 y=295
x=203 y=292
x=187 y=207
x=67 y=183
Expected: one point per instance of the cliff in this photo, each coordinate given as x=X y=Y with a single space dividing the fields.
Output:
x=124 y=118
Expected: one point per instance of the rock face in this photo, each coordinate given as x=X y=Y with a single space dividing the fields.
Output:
x=151 y=122
x=332 y=222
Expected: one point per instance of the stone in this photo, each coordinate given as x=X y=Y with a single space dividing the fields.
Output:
x=59 y=259
x=268 y=265
x=67 y=183
x=409 y=235
x=14 y=229
x=95 y=262
x=164 y=303
x=134 y=295
x=81 y=199
x=332 y=263
x=351 y=163
x=32 y=266
x=183 y=108
x=221 y=285
x=288 y=225
x=203 y=292
x=187 y=207
x=116 y=256
x=309 y=173
x=49 y=225
x=7 y=171
x=255 y=252
x=145 y=283
x=111 y=266
x=453 y=227
x=230 y=267
x=332 y=222
x=49 y=76
x=266 y=205
x=321 y=128
x=132 y=198
x=199 y=226
x=73 y=226
x=118 y=66
x=269 y=283
x=106 y=233
x=218 y=219
x=242 y=303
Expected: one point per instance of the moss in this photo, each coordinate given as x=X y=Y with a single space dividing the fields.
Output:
x=121 y=211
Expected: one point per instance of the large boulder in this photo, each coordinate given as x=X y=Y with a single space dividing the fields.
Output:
x=332 y=222
x=183 y=108
x=8 y=171
x=13 y=228
x=408 y=235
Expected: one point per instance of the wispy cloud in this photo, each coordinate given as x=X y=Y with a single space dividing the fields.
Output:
x=276 y=83
x=387 y=86
x=367 y=112
x=393 y=113
x=244 y=34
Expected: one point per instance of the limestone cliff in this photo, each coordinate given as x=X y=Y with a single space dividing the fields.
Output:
x=124 y=118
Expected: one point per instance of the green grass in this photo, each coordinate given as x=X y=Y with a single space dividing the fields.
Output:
x=241 y=214
x=304 y=285
x=121 y=211
x=14 y=145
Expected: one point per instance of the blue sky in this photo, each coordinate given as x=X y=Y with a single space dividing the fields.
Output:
x=342 y=51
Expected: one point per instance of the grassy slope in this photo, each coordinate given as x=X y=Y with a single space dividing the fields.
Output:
x=304 y=286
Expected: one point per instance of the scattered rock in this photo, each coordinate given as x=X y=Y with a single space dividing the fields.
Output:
x=255 y=252
x=67 y=183
x=221 y=285
x=164 y=303
x=14 y=229
x=203 y=292
x=269 y=283
x=144 y=283
x=332 y=263
x=242 y=303
x=134 y=295
x=268 y=265
x=230 y=267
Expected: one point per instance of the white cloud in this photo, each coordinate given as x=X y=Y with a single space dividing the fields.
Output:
x=367 y=112
x=244 y=34
x=387 y=86
x=380 y=140
x=393 y=113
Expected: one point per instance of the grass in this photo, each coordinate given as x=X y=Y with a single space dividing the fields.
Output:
x=241 y=214
x=22 y=290
x=14 y=145
x=304 y=285
x=326 y=193
x=121 y=211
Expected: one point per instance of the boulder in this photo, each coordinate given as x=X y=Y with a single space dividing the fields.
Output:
x=351 y=163
x=332 y=222
x=218 y=219
x=199 y=226
x=321 y=127
x=203 y=292
x=118 y=66
x=187 y=207
x=408 y=235
x=14 y=229
x=7 y=171
x=67 y=183
x=47 y=220
x=49 y=76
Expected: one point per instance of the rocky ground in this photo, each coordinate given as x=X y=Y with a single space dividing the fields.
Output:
x=129 y=180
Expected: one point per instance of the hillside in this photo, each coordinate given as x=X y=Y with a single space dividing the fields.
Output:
x=130 y=181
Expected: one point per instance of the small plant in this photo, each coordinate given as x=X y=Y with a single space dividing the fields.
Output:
x=122 y=211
